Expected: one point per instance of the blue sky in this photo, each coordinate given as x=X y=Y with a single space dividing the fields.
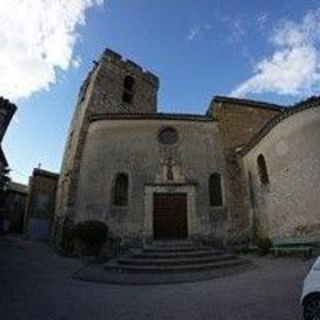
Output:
x=258 y=49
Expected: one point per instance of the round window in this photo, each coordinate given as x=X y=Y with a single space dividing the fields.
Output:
x=168 y=136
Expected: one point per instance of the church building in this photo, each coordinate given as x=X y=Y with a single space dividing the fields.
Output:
x=242 y=170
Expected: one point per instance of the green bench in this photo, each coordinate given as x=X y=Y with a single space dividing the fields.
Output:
x=292 y=245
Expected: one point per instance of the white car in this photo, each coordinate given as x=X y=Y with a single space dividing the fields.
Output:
x=310 y=298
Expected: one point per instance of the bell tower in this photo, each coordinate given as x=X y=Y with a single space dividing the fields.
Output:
x=120 y=86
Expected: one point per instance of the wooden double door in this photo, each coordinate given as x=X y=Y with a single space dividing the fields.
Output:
x=170 y=216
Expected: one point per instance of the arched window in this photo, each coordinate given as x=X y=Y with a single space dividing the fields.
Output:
x=128 y=89
x=262 y=169
x=215 y=190
x=120 y=191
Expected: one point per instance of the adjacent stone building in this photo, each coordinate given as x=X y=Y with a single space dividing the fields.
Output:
x=7 y=110
x=41 y=204
x=13 y=207
x=151 y=175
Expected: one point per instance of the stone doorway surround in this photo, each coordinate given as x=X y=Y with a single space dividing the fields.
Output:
x=189 y=189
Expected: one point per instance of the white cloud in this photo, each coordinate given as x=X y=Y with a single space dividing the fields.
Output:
x=197 y=31
x=237 y=31
x=294 y=67
x=235 y=27
x=262 y=19
x=37 y=39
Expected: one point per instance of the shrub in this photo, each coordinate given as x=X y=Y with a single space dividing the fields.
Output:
x=92 y=235
x=264 y=245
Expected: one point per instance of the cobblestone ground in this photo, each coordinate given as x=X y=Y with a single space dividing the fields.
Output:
x=35 y=284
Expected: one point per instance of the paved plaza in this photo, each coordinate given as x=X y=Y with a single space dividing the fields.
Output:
x=36 y=283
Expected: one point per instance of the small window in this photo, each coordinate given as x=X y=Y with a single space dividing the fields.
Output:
x=128 y=89
x=215 y=190
x=262 y=169
x=120 y=192
x=128 y=83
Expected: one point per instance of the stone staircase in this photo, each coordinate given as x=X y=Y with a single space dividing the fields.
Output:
x=175 y=261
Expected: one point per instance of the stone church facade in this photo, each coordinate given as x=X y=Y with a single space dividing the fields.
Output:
x=150 y=175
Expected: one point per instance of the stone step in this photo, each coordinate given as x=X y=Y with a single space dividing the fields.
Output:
x=186 y=248
x=173 y=243
x=173 y=261
x=174 y=254
x=214 y=265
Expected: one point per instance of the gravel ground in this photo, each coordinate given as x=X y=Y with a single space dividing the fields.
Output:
x=36 y=284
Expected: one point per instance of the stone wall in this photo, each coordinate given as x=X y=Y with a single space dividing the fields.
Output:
x=239 y=120
x=289 y=203
x=7 y=110
x=130 y=145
